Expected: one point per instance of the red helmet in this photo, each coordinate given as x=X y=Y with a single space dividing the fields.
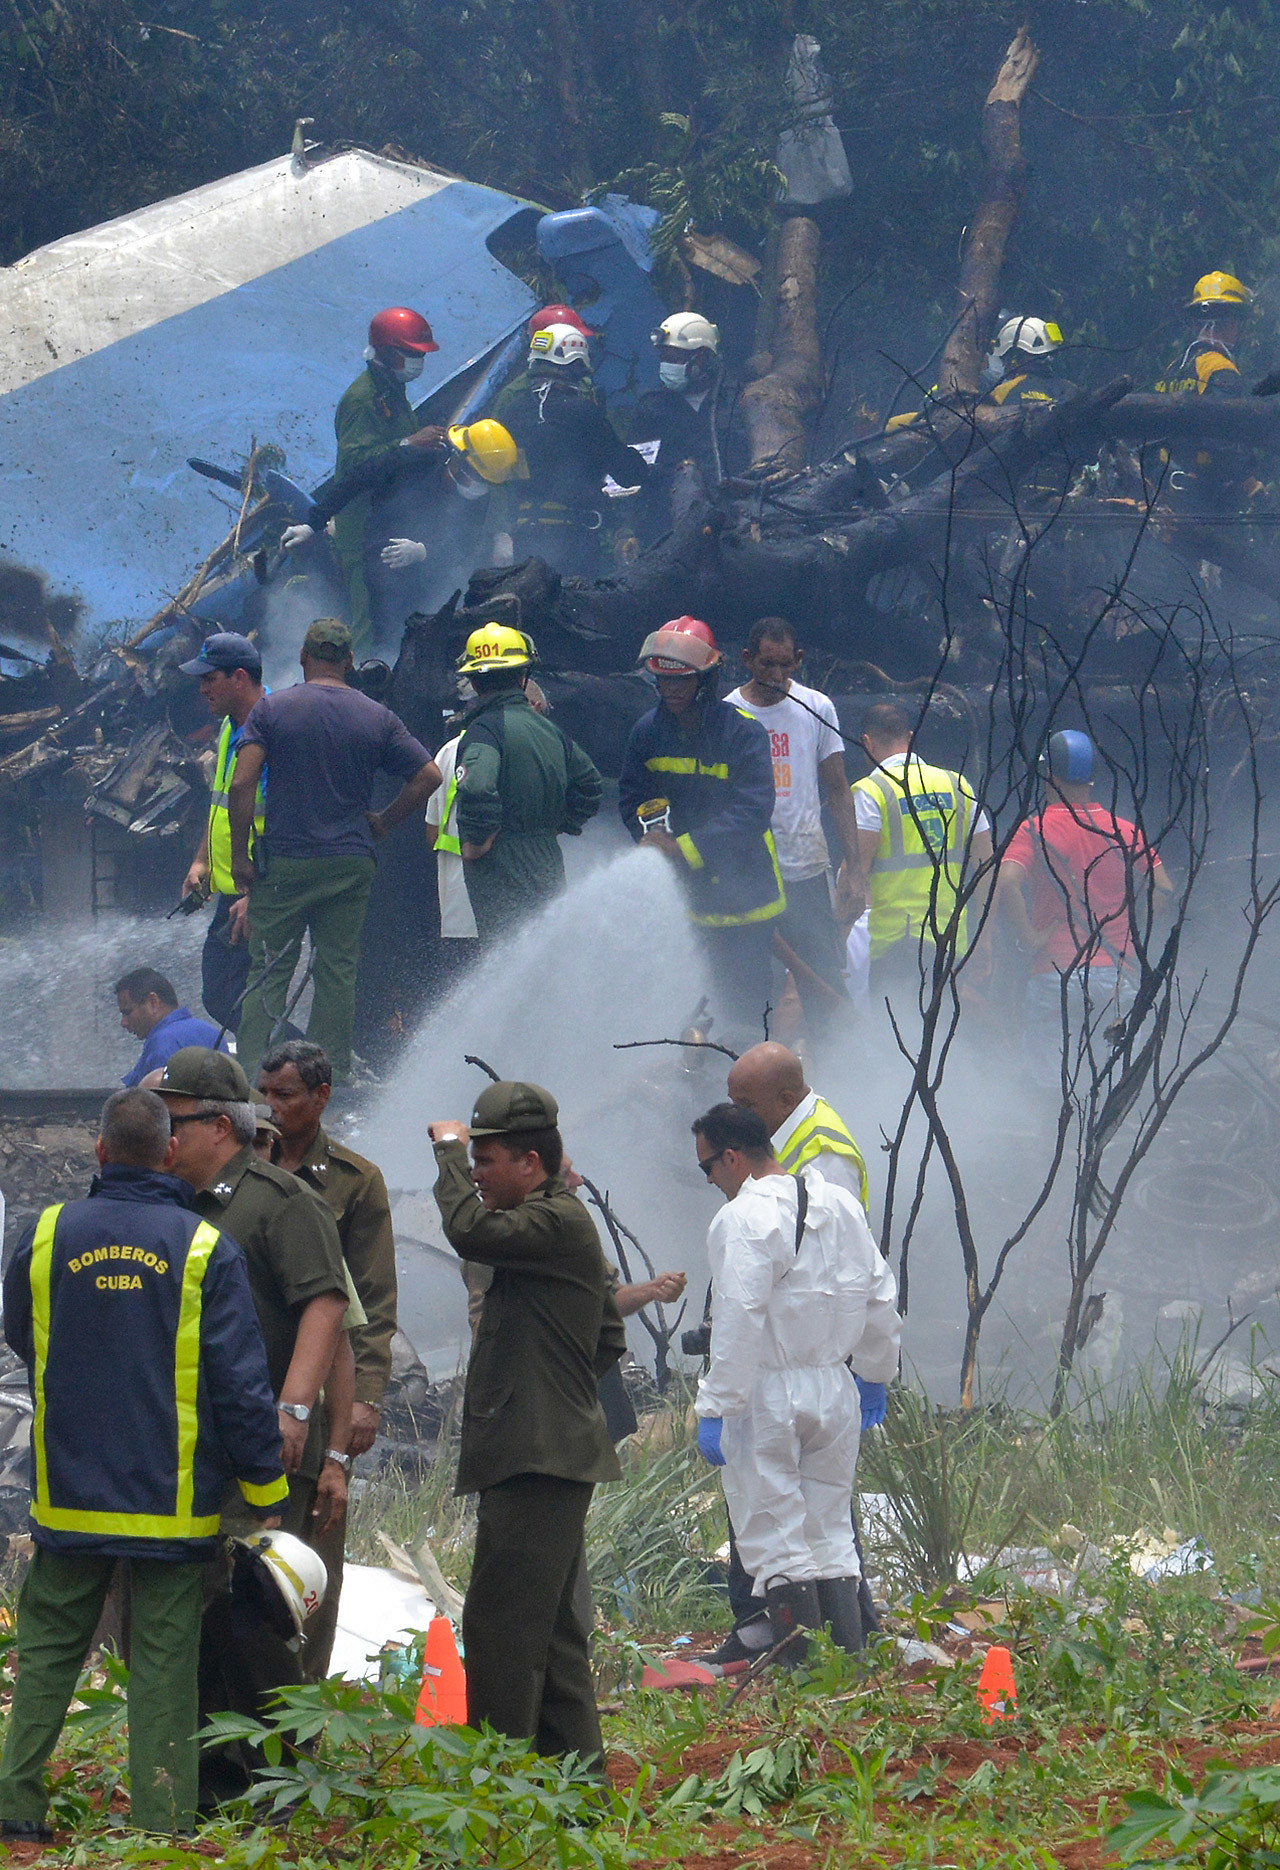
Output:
x=680 y=647
x=559 y=315
x=399 y=329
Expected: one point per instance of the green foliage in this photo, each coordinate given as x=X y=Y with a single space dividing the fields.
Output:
x=1231 y=1823
x=713 y=183
x=650 y=1538
x=749 y=1784
x=345 y=1753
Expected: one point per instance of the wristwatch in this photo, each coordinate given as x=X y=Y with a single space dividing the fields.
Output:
x=343 y=1460
x=299 y=1411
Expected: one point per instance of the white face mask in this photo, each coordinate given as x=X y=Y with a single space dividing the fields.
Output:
x=410 y=367
x=673 y=376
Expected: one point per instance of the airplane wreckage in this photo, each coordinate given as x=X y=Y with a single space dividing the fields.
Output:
x=202 y=327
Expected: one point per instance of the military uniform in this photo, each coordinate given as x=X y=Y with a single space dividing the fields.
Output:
x=293 y=1255
x=519 y=775
x=355 y=1194
x=372 y=419
x=567 y=448
x=534 y=1439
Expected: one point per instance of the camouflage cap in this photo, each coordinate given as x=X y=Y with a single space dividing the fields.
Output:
x=507 y=1106
x=215 y=1077
x=327 y=638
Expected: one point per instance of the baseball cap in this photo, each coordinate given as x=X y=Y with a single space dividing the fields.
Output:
x=508 y=1106
x=225 y=650
x=324 y=636
x=196 y=1071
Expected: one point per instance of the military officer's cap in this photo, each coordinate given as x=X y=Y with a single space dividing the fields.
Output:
x=196 y=1071
x=506 y=1107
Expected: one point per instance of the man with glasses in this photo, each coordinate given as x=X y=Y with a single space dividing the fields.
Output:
x=802 y=1304
x=297 y=1280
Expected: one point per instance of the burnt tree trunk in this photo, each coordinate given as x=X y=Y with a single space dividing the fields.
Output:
x=989 y=230
x=778 y=406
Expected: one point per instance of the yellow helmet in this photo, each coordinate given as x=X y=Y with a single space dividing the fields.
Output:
x=1218 y=289
x=488 y=448
x=497 y=646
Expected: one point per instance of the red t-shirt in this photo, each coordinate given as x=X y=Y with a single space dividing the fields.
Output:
x=1075 y=860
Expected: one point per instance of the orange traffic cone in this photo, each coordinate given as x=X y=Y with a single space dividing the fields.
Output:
x=442 y=1700
x=997 y=1690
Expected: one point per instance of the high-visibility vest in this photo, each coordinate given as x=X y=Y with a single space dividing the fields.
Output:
x=824 y=1129
x=181 y=1521
x=926 y=815
x=449 y=840
x=221 y=881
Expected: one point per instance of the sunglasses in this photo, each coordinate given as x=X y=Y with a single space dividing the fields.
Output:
x=709 y=1162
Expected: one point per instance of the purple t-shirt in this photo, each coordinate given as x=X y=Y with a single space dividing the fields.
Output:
x=325 y=745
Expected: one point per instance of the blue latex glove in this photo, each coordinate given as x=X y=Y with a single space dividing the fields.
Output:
x=875 y=1402
x=709 y=1427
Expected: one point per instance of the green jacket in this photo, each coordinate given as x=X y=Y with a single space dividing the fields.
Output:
x=373 y=417
x=355 y=1194
x=548 y=1331
x=292 y=1255
x=520 y=777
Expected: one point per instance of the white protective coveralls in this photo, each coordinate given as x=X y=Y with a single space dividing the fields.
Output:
x=784 y=1325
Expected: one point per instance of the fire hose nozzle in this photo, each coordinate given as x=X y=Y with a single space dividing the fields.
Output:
x=654 y=815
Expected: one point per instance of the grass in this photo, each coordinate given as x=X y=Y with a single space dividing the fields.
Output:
x=1125 y=1688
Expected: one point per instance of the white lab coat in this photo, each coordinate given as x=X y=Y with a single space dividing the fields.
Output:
x=785 y=1325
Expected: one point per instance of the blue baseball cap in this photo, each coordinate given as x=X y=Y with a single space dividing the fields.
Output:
x=226 y=650
x=1069 y=755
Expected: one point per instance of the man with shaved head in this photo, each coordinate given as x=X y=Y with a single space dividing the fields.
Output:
x=805 y=1130
x=769 y=1079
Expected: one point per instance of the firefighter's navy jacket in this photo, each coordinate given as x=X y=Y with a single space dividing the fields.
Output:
x=720 y=786
x=148 y=1372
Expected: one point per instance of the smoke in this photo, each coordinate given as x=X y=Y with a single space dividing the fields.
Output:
x=28 y=607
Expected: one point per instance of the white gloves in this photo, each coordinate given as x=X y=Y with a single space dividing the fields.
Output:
x=294 y=536
x=401 y=553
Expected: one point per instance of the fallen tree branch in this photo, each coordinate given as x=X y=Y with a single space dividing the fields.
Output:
x=705 y=1045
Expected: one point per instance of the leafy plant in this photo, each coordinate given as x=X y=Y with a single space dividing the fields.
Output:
x=1231 y=1823
x=749 y=1784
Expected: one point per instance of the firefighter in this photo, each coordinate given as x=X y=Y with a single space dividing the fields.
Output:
x=426 y=513
x=1218 y=307
x=678 y=417
x=697 y=785
x=373 y=418
x=1024 y=351
x=151 y=1388
x=519 y=783
x=567 y=450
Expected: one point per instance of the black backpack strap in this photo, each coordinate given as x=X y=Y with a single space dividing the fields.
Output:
x=802 y=1209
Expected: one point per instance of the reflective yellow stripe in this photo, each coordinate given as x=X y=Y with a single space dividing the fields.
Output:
x=692 y=855
x=274 y=1491
x=446 y=841
x=41 y=1269
x=186 y=1362
x=181 y=1524
x=824 y=1129
x=766 y=910
x=220 y=879
x=914 y=889
x=125 y=1525
x=685 y=763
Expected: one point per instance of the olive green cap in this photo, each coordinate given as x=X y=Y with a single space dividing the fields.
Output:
x=508 y=1106
x=264 y=1119
x=196 y=1071
x=325 y=636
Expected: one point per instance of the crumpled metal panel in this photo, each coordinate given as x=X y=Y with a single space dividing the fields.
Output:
x=237 y=311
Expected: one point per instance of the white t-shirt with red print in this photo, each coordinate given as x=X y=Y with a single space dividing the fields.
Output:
x=799 y=744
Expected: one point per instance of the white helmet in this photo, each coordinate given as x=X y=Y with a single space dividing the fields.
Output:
x=297 y=1572
x=687 y=331
x=1034 y=337
x=558 y=344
